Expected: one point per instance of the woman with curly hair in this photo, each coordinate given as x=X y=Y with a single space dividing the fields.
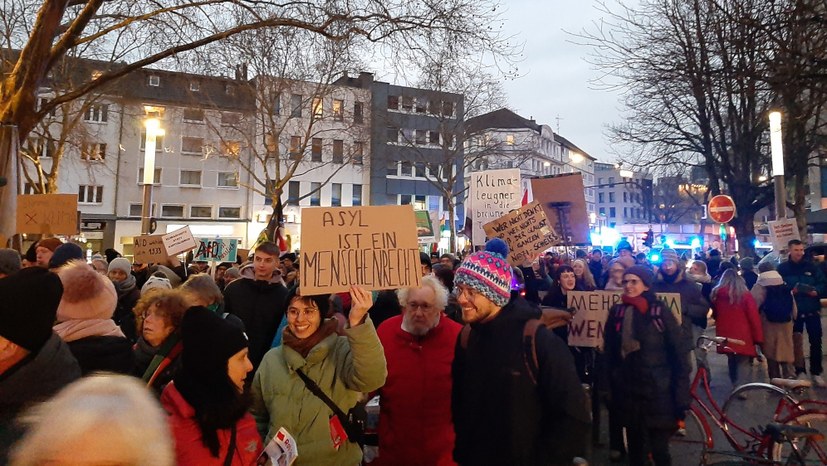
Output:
x=158 y=316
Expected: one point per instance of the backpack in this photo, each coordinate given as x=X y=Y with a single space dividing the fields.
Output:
x=529 y=348
x=778 y=305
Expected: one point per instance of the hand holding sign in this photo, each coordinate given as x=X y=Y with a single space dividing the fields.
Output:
x=361 y=300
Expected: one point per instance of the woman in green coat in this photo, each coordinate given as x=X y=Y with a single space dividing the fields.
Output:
x=342 y=366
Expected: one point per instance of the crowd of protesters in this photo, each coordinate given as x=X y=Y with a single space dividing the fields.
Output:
x=471 y=368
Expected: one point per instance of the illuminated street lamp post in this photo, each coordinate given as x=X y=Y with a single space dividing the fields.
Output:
x=153 y=130
x=778 y=166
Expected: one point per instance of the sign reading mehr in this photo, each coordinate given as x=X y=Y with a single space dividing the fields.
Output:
x=526 y=231
x=371 y=246
x=47 y=213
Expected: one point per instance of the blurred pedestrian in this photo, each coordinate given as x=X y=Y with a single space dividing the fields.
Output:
x=64 y=253
x=747 y=273
x=583 y=275
x=201 y=290
x=615 y=280
x=778 y=311
x=120 y=272
x=736 y=316
x=10 y=262
x=44 y=250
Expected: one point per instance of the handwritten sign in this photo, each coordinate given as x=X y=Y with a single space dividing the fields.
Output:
x=782 y=231
x=564 y=202
x=526 y=231
x=149 y=249
x=47 y=213
x=592 y=310
x=216 y=250
x=493 y=193
x=371 y=246
x=179 y=241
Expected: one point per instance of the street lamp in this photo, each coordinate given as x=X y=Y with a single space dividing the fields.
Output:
x=778 y=165
x=153 y=130
x=626 y=174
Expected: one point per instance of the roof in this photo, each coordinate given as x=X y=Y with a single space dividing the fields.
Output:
x=570 y=146
x=502 y=118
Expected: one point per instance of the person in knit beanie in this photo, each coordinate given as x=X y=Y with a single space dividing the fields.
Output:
x=9 y=262
x=120 y=272
x=543 y=430
x=65 y=253
x=207 y=401
x=44 y=250
x=84 y=320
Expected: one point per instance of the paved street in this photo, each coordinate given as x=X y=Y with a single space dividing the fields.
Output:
x=748 y=413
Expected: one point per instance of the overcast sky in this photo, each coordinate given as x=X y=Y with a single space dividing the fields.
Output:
x=555 y=79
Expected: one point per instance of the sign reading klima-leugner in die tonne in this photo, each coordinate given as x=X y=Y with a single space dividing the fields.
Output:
x=493 y=193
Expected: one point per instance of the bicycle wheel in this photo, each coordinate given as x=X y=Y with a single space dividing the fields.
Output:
x=690 y=448
x=812 y=451
x=750 y=408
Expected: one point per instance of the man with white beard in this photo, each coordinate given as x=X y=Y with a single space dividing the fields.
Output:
x=415 y=425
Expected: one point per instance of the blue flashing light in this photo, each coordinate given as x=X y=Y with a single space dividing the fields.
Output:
x=670 y=243
x=655 y=258
x=696 y=242
x=756 y=243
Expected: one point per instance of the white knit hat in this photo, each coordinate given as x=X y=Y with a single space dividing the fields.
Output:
x=86 y=293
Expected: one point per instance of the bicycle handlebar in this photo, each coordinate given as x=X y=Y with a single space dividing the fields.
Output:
x=721 y=341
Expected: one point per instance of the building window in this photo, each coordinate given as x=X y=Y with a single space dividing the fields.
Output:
x=393 y=168
x=231 y=148
x=406 y=168
x=433 y=137
x=230 y=119
x=94 y=151
x=600 y=197
x=447 y=108
x=421 y=105
x=393 y=134
x=229 y=89
x=136 y=210
x=625 y=212
x=407 y=103
x=194 y=115
x=229 y=212
x=434 y=107
x=293 y=192
x=612 y=212
x=315 y=193
x=420 y=202
x=195 y=86
x=318 y=107
x=336 y=194
x=338 y=109
x=393 y=102
x=88 y=194
x=404 y=199
x=227 y=179
x=172 y=211
x=611 y=197
x=611 y=180
x=29 y=188
x=625 y=196
x=358 y=117
x=201 y=211
x=154 y=80
x=97 y=113
x=419 y=169
x=295 y=147
x=316 y=150
x=338 y=151
x=42 y=102
x=190 y=178
x=277 y=104
x=358 y=153
x=156 y=178
x=420 y=136
x=357 y=194
x=602 y=211
x=296 y=106
x=509 y=139
x=190 y=145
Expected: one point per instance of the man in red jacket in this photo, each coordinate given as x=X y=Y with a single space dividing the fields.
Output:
x=415 y=425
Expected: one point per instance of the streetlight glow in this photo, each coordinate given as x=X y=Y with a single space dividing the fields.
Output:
x=576 y=157
x=153 y=130
x=776 y=145
x=626 y=174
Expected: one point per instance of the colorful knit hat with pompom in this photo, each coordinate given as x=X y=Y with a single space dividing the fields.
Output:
x=488 y=272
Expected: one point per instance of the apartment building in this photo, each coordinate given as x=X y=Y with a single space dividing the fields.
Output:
x=623 y=196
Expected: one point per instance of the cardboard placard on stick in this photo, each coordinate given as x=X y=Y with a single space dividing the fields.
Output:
x=563 y=196
x=492 y=194
x=216 y=250
x=149 y=249
x=526 y=230
x=782 y=231
x=178 y=241
x=371 y=246
x=55 y=214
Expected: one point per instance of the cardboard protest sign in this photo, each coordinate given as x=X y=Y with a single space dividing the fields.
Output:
x=782 y=231
x=564 y=194
x=216 y=250
x=592 y=310
x=55 y=214
x=526 y=231
x=149 y=249
x=178 y=241
x=371 y=246
x=424 y=227
x=493 y=193
x=243 y=254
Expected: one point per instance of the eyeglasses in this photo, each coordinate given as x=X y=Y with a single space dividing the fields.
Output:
x=420 y=306
x=469 y=292
x=152 y=311
x=294 y=313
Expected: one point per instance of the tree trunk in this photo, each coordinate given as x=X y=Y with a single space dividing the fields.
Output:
x=453 y=225
x=8 y=176
x=745 y=232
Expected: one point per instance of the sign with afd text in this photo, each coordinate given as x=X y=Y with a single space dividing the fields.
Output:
x=371 y=246
x=55 y=214
x=493 y=193
x=216 y=250
x=149 y=249
x=526 y=230
x=592 y=310
x=782 y=231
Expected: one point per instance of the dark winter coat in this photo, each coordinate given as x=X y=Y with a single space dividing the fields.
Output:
x=750 y=277
x=500 y=416
x=123 y=315
x=32 y=381
x=805 y=273
x=693 y=302
x=98 y=353
x=260 y=305
x=651 y=385
x=596 y=268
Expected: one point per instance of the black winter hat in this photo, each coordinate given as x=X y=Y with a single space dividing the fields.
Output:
x=322 y=300
x=209 y=341
x=644 y=273
x=64 y=253
x=28 y=306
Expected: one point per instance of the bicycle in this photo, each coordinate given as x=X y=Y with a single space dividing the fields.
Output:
x=786 y=438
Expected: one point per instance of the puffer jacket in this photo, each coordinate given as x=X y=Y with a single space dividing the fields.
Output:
x=343 y=367
x=191 y=451
x=739 y=320
x=805 y=273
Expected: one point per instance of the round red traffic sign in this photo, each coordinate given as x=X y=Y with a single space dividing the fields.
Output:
x=721 y=208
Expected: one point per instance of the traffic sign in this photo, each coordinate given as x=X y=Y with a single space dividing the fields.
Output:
x=721 y=208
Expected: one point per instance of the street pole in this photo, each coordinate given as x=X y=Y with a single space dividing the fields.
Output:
x=778 y=166
x=153 y=130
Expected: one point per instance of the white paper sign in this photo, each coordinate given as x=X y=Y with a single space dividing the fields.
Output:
x=782 y=231
x=179 y=241
x=281 y=451
x=493 y=193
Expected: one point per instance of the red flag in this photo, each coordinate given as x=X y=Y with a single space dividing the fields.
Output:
x=525 y=197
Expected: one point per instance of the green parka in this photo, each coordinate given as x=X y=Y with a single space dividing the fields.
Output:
x=342 y=366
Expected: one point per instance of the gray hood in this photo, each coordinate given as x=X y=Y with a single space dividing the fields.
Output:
x=769 y=278
x=248 y=272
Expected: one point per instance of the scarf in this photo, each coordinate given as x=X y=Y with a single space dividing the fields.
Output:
x=698 y=278
x=144 y=352
x=628 y=343
x=72 y=330
x=670 y=278
x=304 y=345
x=125 y=286
x=639 y=302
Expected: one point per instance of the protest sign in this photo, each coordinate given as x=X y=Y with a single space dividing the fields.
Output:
x=371 y=246
x=493 y=193
x=216 y=250
x=55 y=214
x=178 y=241
x=526 y=231
x=592 y=310
x=781 y=232
x=281 y=451
x=424 y=227
x=148 y=249
x=244 y=254
x=564 y=202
